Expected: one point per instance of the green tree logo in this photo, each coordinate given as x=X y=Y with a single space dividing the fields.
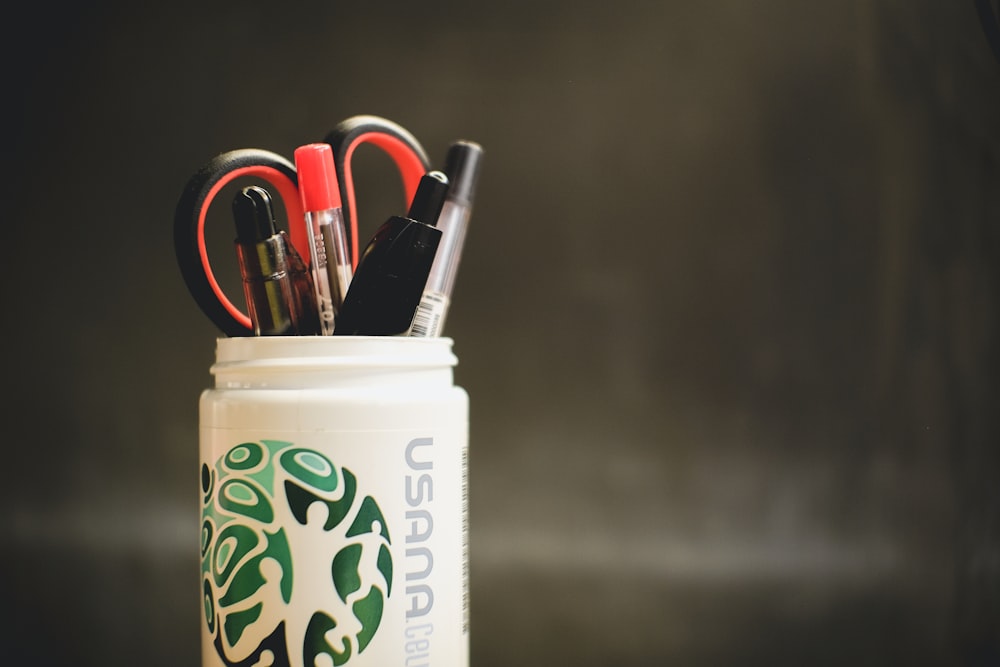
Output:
x=291 y=552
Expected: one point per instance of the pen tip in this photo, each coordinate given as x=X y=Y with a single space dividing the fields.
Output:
x=253 y=215
x=429 y=198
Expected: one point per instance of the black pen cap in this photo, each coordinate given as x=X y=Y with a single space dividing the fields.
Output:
x=261 y=251
x=253 y=215
x=462 y=166
x=429 y=198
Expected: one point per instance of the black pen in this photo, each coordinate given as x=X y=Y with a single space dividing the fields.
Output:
x=462 y=165
x=276 y=282
x=392 y=271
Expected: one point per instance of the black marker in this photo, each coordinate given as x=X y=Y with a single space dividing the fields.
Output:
x=276 y=282
x=393 y=268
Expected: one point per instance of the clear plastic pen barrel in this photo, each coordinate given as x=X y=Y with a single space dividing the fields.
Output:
x=453 y=223
x=318 y=265
x=338 y=261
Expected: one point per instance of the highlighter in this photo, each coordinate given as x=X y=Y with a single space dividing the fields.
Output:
x=276 y=282
x=393 y=268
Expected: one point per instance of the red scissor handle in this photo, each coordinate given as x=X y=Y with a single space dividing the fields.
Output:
x=406 y=152
x=189 y=226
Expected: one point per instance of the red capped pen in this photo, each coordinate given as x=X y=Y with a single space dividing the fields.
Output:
x=329 y=261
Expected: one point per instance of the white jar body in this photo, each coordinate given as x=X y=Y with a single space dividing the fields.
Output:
x=334 y=506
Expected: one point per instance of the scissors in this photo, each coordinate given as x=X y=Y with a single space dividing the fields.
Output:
x=279 y=173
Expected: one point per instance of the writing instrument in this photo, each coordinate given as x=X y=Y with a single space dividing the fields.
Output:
x=462 y=166
x=329 y=263
x=275 y=280
x=392 y=271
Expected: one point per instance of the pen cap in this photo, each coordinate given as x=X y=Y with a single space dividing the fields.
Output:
x=462 y=165
x=318 y=186
x=429 y=198
x=262 y=252
x=253 y=215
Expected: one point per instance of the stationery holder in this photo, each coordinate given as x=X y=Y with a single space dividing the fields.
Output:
x=334 y=503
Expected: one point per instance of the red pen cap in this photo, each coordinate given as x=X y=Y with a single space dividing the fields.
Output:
x=318 y=185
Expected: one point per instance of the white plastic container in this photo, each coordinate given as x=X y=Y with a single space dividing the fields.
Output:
x=334 y=503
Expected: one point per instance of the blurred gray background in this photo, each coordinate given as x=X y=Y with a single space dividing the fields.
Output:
x=728 y=315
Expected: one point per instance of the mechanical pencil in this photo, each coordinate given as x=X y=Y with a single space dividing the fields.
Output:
x=392 y=271
x=275 y=280
x=462 y=165
x=329 y=262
